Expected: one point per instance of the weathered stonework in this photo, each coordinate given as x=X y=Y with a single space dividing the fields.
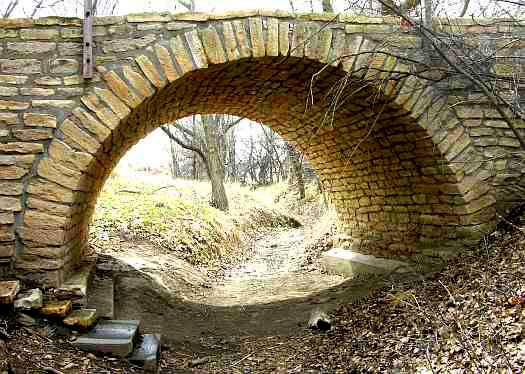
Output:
x=408 y=172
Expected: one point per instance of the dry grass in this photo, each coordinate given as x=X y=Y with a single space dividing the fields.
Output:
x=176 y=215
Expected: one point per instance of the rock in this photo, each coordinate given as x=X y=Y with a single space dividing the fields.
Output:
x=75 y=287
x=101 y=296
x=112 y=337
x=8 y=291
x=147 y=354
x=26 y=320
x=320 y=321
x=82 y=319
x=28 y=300
x=57 y=308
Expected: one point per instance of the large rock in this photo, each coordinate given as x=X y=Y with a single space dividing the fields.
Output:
x=101 y=296
x=8 y=291
x=29 y=300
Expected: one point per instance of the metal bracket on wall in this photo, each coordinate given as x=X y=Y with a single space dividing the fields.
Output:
x=87 y=61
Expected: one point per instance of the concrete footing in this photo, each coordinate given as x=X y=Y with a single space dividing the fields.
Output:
x=342 y=261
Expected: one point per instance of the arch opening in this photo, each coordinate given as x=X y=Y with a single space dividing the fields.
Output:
x=394 y=191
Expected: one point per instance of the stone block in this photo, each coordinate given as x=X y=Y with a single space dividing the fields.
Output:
x=51 y=191
x=36 y=91
x=213 y=46
x=150 y=71
x=196 y=49
x=124 y=45
x=74 y=135
x=54 y=104
x=31 y=48
x=15 y=23
x=29 y=300
x=12 y=172
x=8 y=291
x=166 y=63
x=21 y=66
x=42 y=34
x=57 y=308
x=43 y=237
x=8 y=91
x=23 y=148
x=7 y=250
x=48 y=81
x=10 y=204
x=121 y=89
x=64 y=66
x=138 y=82
x=28 y=135
x=181 y=55
x=8 y=118
x=149 y=17
x=14 y=105
x=82 y=319
x=71 y=33
x=89 y=122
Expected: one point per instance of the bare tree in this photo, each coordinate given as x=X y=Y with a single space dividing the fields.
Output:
x=55 y=7
x=205 y=137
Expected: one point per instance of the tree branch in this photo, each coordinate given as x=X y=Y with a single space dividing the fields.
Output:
x=187 y=146
x=465 y=7
x=429 y=35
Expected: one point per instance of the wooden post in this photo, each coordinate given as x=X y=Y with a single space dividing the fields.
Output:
x=87 y=62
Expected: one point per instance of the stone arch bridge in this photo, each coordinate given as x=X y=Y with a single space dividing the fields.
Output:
x=410 y=169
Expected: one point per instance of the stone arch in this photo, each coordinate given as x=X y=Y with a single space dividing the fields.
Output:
x=399 y=166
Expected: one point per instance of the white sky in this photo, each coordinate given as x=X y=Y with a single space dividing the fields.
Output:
x=75 y=7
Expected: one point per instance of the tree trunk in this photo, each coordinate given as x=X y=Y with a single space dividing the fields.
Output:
x=296 y=166
x=175 y=171
x=327 y=6
x=215 y=165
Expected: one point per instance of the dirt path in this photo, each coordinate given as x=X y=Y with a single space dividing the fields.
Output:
x=272 y=294
x=277 y=271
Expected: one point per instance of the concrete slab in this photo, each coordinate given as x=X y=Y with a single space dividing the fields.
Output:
x=114 y=337
x=147 y=354
x=345 y=262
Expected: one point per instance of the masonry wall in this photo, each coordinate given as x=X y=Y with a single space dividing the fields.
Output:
x=426 y=177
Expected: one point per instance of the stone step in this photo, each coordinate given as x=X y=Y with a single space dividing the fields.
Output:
x=81 y=319
x=113 y=337
x=147 y=353
x=75 y=287
x=100 y=296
